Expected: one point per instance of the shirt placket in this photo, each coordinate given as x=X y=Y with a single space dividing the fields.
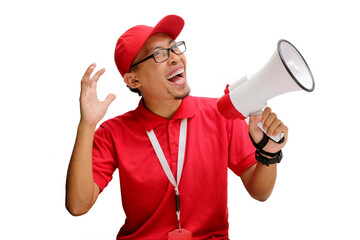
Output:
x=173 y=133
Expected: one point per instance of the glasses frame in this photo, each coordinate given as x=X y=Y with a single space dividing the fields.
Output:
x=168 y=53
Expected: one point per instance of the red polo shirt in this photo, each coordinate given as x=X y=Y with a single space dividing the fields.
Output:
x=213 y=145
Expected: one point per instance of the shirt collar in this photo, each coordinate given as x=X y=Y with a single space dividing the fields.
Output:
x=150 y=120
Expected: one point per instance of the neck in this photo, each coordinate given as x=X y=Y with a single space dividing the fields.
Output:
x=163 y=108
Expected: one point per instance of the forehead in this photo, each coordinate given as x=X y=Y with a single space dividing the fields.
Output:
x=155 y=42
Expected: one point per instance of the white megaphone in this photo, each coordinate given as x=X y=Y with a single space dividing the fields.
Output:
x=286 y=71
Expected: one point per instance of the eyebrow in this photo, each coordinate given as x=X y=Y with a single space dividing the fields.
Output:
x=158 y=47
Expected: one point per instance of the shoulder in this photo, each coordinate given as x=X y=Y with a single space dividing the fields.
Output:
x=207 y=108
x=203 y=102
x=119 y=122
x=204 y=105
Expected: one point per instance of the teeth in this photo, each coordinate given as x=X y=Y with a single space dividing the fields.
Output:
x=176 y=73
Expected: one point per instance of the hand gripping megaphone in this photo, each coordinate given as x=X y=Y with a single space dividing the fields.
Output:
x=286 y=71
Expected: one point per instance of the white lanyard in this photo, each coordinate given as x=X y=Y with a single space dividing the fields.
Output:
x=181 y=154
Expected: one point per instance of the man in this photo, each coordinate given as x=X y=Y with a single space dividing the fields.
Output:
x=169 y=136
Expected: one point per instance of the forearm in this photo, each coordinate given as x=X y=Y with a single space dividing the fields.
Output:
x=262 y=181
x=80 y=183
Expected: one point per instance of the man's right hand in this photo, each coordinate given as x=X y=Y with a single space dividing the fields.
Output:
x=91 y=108
x=81 y=190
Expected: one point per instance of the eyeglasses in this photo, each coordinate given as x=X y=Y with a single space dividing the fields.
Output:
x=163 y=54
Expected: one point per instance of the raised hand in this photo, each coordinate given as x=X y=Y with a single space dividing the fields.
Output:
x=91 y=108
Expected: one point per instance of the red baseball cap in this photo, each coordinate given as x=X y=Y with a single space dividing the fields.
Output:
x=130 y=42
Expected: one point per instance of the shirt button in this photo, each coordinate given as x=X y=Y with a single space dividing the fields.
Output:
x=170 y=125
x=173 y=145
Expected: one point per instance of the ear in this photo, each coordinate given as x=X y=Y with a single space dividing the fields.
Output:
x=131 y=81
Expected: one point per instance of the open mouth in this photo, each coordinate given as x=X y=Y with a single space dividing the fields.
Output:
x=177 y=77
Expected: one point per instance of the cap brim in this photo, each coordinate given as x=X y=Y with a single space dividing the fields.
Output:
x=171 y=25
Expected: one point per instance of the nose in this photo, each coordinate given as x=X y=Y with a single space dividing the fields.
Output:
x=173 y=58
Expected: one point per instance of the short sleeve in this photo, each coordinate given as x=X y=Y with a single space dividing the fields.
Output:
x=241 y=149
x=104 y=158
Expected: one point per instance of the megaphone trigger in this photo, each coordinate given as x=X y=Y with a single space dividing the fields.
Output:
x=259 y=112
x=278 y=138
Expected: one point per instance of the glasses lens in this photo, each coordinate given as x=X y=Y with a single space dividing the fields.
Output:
x=161 y=55
x=179 y=47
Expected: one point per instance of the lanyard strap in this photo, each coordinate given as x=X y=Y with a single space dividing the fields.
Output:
x=181 y=155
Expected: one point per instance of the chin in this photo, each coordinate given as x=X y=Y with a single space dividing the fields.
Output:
x=182 y=95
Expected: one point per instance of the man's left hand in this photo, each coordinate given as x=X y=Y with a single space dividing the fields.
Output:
x=272 y=125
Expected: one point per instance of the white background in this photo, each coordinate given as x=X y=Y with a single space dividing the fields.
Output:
x=45 y=47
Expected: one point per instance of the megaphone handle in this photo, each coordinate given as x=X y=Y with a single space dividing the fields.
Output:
x=276 y=138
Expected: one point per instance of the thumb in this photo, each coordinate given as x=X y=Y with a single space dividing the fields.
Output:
x=109 y=99
x=253 y=122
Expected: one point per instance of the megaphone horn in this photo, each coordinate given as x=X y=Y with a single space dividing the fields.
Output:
x=285 y=71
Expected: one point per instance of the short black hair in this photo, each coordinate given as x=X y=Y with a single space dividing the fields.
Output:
x=135 y=90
